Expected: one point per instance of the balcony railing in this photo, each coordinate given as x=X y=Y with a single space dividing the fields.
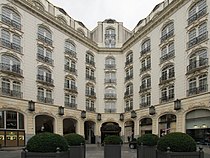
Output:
x=14 y=69
x=70 y=69
x=90 y=93
x=45 y=99
x=92 y=109
x=128 y=77
x=110 y=96
x=128 y=62
x=167 y=78
x=70 y=87
x=197 y=40
x=12 y=46
x=45 y=79
x=197 y=15
x=144 y=88
x=90 y=77
x=145 y=68
x=197 y=65
x=110 y=80
x=7 y=21
x=11 y=93
x=90 y=62
x=168 y=56
x=128 y=93
x=167 y=36
x=145 y=104
x=44 y=59
x=70 y=52
x=45 y=40
x=145 y=50
x=70 y=105
x=167 y=98
x=106 y=110
x=128 y=108
x=197 y=90
x=110 y=66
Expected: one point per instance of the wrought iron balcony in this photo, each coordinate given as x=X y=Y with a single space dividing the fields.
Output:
x=167 y=78
x=7 y=21
x=11 y=69
x=106 y=110
x=70 y=105
x=110 y=66
x=70 y=52
x=129 y=77
x=197 y=15
x=72 y=88
x=11 y=93
x=90 y=62
x=12 y=46
x=45 y=79
x=110 y=80
x=90 y=94
x=92 y=109
x=145 y=50
x=197 y=40
x=144 y=87
x=90 y=77
x=45 y=40
x=197 y=65
x=70 y=69
x=167 y=36
x=167 y=98
x=197 y=90
x=44 y=59
x=145 y=68
x=43 y=99
x=110 y=96
x=128 y=108
x=168 y=56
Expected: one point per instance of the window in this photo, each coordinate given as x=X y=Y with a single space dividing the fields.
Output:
x=90 y=90
x=70 y=84
x=110 y=77
x=11 y=64
x=197 y=11
x=90 y=59
x=129 y=89
x=90 y=105
x=129 y=74
x=145 y=47
x=110 y=92
x=129 y=59
x=44 y=54
x=145 y=83
x=90 y=74
x=145 y=64
x=167 y=73
x=70 y=101
x=128 y=105
x=44 y=95
x=44 y=35
x=110 y=107
x=38 y=5
x=167 y=52
x=110 y=38
x=167 y=93
x=44 y=75
x=167 y=32
x=70 y=47
x=197 y=35
x=110 y=62
x=70 y=66
x=11 y=18
x=145 y=100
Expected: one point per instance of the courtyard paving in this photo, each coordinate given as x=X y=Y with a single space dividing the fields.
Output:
x=92 y=151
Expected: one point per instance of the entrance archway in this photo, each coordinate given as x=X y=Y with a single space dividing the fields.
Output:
x=145 y=126
x=89 y=132
x=69 y=125
x=167 y=124
x=44 y=123
x=129 y=130
x=109 y=128
x=198 y=125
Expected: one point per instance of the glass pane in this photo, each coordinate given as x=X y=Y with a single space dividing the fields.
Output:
x=1 y=119
x=11 y=119
x=21 y=121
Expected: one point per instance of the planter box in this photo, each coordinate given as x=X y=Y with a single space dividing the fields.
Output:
x=77 y=151
x=198 y=154
x=146 y=151
x=25 y=154
x=112 y=151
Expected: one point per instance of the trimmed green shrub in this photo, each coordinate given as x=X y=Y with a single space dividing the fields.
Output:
x=113 y=139
x=148 y=140
x=74 y=139
x=46 y=142
x=178 y=142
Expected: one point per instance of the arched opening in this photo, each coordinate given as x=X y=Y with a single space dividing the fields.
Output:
x=198 y=125
x=89 y=132
x=145 y=126
x=167 y=124
x=69 y=126
x=109 y=128
x=44 y=123
x=129 y=130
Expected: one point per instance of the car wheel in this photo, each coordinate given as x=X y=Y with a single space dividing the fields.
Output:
x=131 y=146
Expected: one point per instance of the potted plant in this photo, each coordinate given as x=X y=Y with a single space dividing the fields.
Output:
x=146 y=146
x=178 y=145
x=112 y=146
x=46 y=145
x=76 y=144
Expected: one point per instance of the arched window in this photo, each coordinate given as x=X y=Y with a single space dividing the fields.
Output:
x=70 y=83
x=167 y=52
x=38 y=5
x=44 y=75
x=110 y=62
x=145 y=100
x=129 y=89
x=44 y=35
x=167 y=93
x=146 y=82
x=167 y=72
x=69 y=46
x=145 y=47
x=44 y=95
x=167 y=31
x=110 y=38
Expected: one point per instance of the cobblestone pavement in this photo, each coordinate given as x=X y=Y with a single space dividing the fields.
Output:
x=92 y=151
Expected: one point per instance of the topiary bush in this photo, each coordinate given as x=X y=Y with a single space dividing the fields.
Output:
x=46 y=142
x=148 y=140
x=178 y=142
x=74 y=139
x=113 y=139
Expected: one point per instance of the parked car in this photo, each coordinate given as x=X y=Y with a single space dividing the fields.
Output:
x=133 y=144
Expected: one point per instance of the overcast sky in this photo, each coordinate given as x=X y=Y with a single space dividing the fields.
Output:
x=91 y=11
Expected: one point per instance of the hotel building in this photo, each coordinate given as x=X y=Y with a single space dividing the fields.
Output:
x=58 y=76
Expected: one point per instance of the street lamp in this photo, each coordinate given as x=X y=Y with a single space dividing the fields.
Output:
x=61 y=110
x=177 y=104
x=83 y=114
x=99 y=117
x=152 y=110
x=121 y=117
x=133 y=114
x=31 y=105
